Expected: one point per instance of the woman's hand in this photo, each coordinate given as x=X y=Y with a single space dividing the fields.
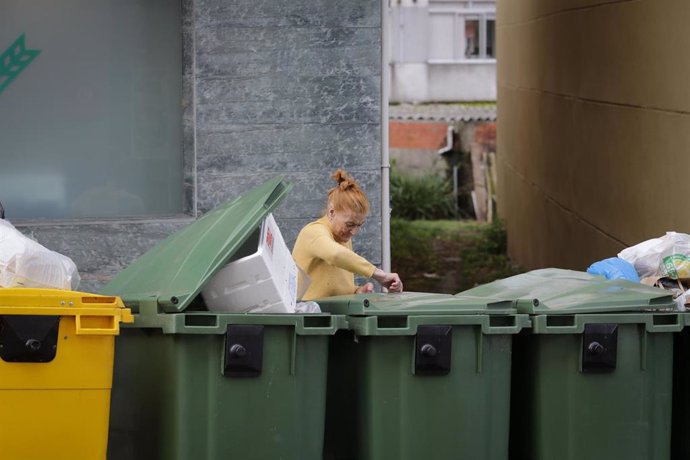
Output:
x=366 y=289
x=390 y=281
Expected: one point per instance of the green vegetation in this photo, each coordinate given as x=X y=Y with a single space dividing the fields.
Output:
x=434 y=254
x=426 y=197
x=448 y=256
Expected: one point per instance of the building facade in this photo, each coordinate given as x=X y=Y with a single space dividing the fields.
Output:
x=442 y=50
x=123 y=121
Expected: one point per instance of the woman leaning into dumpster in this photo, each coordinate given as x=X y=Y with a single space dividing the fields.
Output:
x=323 y=249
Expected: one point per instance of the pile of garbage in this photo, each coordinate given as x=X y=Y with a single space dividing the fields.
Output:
x=26 y=263
x=662 y=262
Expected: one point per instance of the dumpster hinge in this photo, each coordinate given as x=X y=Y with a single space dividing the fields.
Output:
x=432 y=350
x=599 y=348
x=244 y=350
x=28 y=338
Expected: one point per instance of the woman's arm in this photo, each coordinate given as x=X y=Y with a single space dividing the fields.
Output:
x=390 y=281
x=339 y=256
x=323 y=246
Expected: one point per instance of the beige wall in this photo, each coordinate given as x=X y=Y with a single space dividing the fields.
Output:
x=593 y=126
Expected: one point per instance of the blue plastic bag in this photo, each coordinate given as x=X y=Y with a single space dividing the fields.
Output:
x=614 y=268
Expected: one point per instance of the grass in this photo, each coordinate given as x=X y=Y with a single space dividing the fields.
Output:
x=448 y=256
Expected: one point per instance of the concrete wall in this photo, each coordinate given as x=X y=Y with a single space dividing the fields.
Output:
x=289 y=87
x=462 y=82
x=443 y=82
x=414 y=147
x=593 y=126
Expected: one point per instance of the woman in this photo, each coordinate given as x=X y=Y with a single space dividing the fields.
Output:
x=323 y=249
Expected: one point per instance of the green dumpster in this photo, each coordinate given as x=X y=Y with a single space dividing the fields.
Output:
x=592 y=377
x=419 y=376
x=194 y=384
x=680 y=441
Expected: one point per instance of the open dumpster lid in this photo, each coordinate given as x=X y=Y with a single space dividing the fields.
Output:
x=557 y=291
x=174 y=272
x=411 y=303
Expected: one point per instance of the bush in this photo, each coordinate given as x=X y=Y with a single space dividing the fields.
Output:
x=496 y=238
x=427 y=197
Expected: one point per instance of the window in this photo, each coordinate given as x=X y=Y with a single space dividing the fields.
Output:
x=479 y=35
x=91 y=117
x=491 y=38
x=461 y=35
x=472 y=38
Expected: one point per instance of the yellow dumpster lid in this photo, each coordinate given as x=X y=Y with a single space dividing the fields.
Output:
x=54 y=302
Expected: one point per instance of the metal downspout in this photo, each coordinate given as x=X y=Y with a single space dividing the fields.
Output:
x=385 y=156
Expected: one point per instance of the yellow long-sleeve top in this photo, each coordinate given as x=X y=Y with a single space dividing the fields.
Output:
x=330 y=265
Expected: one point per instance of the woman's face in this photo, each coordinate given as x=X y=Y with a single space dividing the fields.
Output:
x=344 y=224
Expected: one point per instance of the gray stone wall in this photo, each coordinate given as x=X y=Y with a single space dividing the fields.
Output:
x=276 y=87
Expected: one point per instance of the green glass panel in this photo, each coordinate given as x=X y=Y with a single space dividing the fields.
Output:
x=91 y=126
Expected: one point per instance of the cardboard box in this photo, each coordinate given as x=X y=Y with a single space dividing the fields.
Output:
x=261 y=278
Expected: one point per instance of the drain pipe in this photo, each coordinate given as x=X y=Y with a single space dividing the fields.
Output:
x=443 y=151
x=385 y=155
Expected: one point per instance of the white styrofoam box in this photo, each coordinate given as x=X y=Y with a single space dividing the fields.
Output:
x=264 y=281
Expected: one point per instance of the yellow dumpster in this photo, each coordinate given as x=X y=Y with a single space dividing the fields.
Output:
x=56 y=372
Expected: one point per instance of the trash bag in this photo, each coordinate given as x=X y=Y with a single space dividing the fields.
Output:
x=307 y=307
x=682 y=301
x=675 y=260
x=667 y=256
x=26 y=263
x=614 y=268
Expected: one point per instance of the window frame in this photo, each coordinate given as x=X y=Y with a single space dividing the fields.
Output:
x=460 y=15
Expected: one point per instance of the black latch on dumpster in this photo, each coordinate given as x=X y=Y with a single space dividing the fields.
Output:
x=244 y=350
x=599 y=348
x=432 y=350
x=2 y=212
x=28 y=339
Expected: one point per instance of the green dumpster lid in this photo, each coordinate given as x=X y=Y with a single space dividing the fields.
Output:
x=411 y=303
x=557 y=291
x=175 y=271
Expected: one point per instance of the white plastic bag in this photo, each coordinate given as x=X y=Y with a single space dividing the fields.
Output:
x=675 y=260
x=25 y=263
x=307 y=307
x=682 y=301
x=667 y=256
